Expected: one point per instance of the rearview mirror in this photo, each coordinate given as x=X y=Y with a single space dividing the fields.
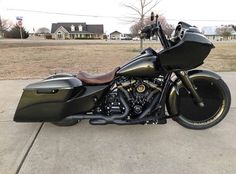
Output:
x=152 y=16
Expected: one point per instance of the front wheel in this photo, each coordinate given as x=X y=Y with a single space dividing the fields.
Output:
x=216 y=97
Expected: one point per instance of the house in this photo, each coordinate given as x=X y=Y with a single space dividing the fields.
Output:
x=211 y=32
x=116 y=35
x=74 y=30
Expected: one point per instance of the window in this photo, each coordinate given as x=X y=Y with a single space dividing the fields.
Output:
x=72 y=28
x=80 y=28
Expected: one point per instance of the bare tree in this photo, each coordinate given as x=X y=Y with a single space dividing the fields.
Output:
x=168 y=28
x=225 y=31
x=5 y=25
x=43 y=30
x=140 y=11
x=135 y=28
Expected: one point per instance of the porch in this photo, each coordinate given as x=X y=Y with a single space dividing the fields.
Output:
x=84 y=36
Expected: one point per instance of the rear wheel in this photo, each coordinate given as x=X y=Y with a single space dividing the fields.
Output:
x=216 y=97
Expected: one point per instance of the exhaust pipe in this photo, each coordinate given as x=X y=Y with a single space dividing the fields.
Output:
x=102 y=119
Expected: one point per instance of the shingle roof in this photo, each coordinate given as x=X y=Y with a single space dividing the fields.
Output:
x=86 y=28
x=95 y=29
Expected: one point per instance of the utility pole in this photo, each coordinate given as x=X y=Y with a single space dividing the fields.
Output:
x=19 y=23
x=20 y=31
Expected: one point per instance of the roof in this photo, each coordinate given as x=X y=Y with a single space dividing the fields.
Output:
x=95 y=29
x=115 y=32
x=86 y=28
x=209 y=30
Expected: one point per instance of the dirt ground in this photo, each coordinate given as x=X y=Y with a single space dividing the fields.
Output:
x=23 y=59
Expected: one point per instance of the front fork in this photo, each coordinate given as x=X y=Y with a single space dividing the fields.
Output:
x=183 y=76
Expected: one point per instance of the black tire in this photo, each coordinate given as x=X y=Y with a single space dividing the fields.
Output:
x=66 y=123
x=216 y=97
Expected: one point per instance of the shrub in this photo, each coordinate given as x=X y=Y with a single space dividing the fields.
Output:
x=15 y=33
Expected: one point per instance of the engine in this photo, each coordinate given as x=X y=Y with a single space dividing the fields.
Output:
x=138 y=93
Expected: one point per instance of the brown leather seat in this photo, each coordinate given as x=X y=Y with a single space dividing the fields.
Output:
x=97 y=79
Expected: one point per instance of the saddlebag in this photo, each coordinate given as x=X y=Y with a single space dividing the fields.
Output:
x=55 y=98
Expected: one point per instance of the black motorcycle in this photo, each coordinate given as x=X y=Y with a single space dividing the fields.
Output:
x=151 y=88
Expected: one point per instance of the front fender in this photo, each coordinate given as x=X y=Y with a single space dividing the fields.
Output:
x=172 y=96
x=203 y=74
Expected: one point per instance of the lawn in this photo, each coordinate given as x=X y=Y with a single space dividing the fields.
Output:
x=20 y=60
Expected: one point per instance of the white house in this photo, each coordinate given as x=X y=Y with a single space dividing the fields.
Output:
x=76 y=31
x=116 y=35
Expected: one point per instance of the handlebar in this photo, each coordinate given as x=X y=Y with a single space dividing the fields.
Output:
x=151 y=30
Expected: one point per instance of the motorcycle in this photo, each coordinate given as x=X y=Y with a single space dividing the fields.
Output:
x=151 y=88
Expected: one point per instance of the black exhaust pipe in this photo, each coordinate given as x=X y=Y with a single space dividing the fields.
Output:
x=100 y=119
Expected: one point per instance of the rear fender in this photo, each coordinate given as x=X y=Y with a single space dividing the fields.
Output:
x=172 y=96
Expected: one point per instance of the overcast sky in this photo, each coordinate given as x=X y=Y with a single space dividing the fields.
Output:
x=172 y=9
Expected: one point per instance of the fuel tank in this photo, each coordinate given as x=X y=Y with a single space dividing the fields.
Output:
x=144 y=65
